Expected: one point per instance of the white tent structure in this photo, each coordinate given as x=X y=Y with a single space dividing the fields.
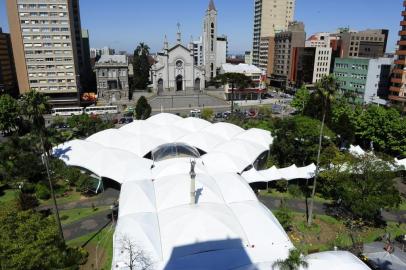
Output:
x=212 y=220
x=258 y=136
x=356 y=150
x=401 y=163
x=272 y=174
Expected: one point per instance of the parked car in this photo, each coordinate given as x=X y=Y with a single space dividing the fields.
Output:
x=218 y=115
x=226 y=114
x=126 y=120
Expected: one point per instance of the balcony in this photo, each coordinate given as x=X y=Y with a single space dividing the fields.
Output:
x=402 y=33
x=397 y=98
x=401 y=52
x=403 y=13
x=396 y=80
x=403 y=23
x=394 y=89
x=399 y=70
x=400 y=62
x=402 y=42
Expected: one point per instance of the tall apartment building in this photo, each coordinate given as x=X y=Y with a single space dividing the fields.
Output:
x=270 y=17
x=367 y=43
x=397 y=94
x=285 y=42
x=47 y=47
x=364 y=80
x=8 y=78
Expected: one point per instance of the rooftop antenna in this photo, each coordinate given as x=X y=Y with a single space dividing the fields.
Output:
x=192 y=182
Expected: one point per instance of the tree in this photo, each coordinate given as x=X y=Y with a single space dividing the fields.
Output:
x=136 y=257
x=207 y=114
x=284 y=217
x=85 y=125
x=141 y=67
x=9 y=113
x=301 y=99
x=363 y=187
x=236 y=80
x=142 y=109
x=386 y=128
x=34 y=105
x=296 y=140
x=326 y=90
x=29 y=240
x=294 y=261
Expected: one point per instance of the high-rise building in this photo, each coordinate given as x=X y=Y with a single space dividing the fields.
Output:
x=210 y=41
x=367 y=43
x=271 y=17
x=221 y=51
x=47 y=47
x=285 y=42
x=8 y=78
x=397 y=94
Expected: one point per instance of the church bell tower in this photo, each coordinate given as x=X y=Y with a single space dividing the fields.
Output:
x=210 y=41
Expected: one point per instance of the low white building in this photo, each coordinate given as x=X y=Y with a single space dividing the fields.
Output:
x=253 y=92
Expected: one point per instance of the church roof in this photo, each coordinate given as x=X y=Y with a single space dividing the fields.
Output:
x=211 y=5
x=176 y=46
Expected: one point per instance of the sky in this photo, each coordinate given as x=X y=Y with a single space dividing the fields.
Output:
x=122 y=24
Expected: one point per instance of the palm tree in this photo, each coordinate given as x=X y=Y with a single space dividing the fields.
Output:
x=34 y=105
x=294 y=261
x=326 y=90
x=237 y=80
x=142 y=49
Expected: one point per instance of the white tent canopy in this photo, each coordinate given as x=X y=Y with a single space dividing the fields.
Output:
x=225 y=228
x=245 y=150
x=272 y=174
x=356 y=150
x=258 y=136
x=226 y=130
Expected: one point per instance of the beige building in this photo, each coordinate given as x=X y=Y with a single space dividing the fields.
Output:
x=271 y=17
x=47 y=46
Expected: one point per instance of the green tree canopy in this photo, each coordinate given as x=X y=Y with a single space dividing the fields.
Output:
x=141 y=67
x=9 y=113
x=301 y=99
x=85 y=125
x=297 y=140
x=30 y=240
x=363 y=186
x=384 y=127
x=142 y=109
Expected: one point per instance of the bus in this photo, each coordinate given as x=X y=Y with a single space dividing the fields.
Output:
x=98 y=110
x=67 y=111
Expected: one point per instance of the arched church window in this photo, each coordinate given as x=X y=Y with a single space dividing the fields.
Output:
x=179 y=64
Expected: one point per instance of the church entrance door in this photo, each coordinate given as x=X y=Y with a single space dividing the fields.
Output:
x=179 y=83
x=197 y=84
x=160 y=86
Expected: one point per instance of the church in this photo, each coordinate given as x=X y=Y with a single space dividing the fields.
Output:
x=176 y=68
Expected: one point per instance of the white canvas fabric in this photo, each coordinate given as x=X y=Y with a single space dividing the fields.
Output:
x=258 y=136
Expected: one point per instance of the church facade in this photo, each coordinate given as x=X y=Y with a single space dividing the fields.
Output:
x=180 y=67
x=174 y=69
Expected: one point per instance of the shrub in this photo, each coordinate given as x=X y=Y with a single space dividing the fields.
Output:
x=295 y=191
x=281 y=185
x=285 y=218
x=26 y=201
x=207 y=114
x=42 y=191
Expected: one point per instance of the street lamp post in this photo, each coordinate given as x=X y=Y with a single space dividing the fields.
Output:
x=192 y=182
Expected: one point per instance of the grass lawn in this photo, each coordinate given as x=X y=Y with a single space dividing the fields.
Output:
x=8 y=195
x=100 y=248
x=286 y=195
x=72 y=215
x=327 y=232
x=72 y=196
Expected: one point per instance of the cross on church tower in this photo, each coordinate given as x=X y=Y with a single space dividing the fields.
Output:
x=179 y=38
